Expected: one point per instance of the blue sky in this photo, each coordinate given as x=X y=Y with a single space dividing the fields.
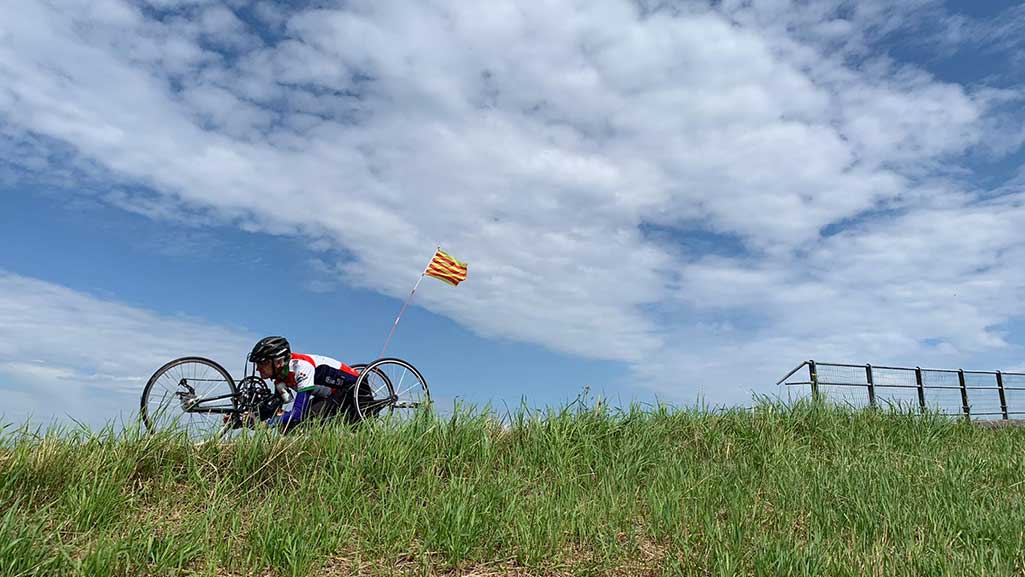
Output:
x=672 y=200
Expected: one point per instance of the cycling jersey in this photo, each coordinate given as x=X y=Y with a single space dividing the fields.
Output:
x=314 y=378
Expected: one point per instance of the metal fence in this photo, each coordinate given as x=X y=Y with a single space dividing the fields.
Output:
x=955 y=392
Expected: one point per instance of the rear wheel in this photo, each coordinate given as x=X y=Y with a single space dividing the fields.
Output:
x=191 y=394
x=390 y=387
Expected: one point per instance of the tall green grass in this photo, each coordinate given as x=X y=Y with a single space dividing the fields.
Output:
x=795 y=490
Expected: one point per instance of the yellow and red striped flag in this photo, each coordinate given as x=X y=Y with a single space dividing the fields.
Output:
x=446 y=268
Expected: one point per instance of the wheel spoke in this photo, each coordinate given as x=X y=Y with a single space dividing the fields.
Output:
x=186 y=382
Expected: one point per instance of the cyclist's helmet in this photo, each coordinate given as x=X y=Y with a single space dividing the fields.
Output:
x=270 y=349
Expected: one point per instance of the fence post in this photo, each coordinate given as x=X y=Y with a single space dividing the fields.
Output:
x=1003 y=398
x=813 y=372
x=871 y=387
x=921 y=389
x=964 y=395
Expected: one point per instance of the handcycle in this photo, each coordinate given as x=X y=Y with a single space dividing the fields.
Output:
x=198 y=395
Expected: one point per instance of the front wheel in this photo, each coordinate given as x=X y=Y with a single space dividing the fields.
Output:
x=392 y=387
x=191 y=394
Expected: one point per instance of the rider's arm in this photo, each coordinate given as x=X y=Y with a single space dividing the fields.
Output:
x=294 y=415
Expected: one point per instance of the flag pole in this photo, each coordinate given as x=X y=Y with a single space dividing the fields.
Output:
x=405 y=304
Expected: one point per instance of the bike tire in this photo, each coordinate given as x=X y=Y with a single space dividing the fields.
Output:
x=151 y=419
x=382 y=388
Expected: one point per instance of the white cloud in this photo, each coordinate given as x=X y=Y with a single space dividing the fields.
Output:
x=78 y=354
x=1000 y=33
x=533 y=140
x=39 y=372
x=884 y=292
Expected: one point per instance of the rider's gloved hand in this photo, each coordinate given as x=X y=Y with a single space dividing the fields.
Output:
x=267 y=410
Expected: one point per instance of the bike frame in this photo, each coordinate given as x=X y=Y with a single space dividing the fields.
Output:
x=195 y=405
x=194 y=408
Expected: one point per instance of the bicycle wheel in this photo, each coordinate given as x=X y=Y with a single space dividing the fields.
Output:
x=191 y=394
x=390 y=386
x=364 y=392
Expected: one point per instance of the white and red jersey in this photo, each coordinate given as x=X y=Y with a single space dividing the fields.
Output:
x=307 y=371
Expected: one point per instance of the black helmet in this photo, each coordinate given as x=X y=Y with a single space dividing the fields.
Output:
x=269 y=349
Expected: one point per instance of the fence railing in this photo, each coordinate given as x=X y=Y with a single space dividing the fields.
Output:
x=955 y=392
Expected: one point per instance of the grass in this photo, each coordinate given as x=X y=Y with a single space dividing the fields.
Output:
x=796 y=490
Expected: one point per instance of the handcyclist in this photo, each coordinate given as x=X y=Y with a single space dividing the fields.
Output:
x=321 y=386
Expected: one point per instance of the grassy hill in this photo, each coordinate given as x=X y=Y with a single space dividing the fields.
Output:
x=798 y=490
